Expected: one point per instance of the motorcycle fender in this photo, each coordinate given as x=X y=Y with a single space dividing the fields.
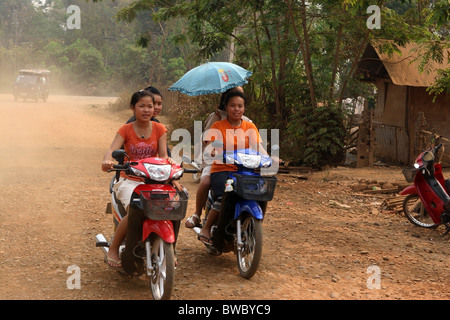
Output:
x=163 y=228
x=409 y=190
x=250 y=206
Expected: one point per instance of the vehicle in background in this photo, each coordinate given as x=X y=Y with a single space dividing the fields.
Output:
x=32 y=84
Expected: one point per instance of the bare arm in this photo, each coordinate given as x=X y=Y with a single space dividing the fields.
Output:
x=162 y=146
x=261 y=149
x=117 y=143
x=162 y=149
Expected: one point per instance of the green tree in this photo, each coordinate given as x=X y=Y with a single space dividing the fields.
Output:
x=304 y=55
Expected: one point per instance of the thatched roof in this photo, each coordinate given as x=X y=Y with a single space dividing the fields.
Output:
x=402 y=69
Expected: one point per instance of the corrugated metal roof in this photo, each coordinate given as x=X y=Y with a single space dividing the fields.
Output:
x=404 y=69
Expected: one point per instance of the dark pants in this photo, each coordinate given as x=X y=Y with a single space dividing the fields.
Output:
x=218 y=180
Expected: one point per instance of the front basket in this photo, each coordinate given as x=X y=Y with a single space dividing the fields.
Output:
x=409 y=174
x=257 y=188
x=164 y=205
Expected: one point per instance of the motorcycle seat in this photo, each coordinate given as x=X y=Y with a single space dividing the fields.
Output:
x=440 y=191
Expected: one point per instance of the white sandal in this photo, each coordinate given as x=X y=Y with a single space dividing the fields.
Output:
x=190 y=222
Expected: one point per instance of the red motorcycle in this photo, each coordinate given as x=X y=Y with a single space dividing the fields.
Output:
x=154 y=215
x=427 y=203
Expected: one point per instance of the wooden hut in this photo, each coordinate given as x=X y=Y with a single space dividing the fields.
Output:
x=404 y=110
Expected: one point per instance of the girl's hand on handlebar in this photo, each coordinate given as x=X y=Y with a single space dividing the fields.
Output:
x=171 y=161
x=177 y=185
x=107 y=165
x=277 y=160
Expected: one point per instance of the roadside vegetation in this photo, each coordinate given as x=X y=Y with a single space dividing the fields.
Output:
x=303 y=55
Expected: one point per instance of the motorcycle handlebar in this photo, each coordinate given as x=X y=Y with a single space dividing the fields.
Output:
x=436 y=149
x=191 y=170
x=124 y=167
x=120 y=166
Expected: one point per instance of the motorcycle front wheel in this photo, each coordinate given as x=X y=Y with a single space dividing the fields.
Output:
x=196 y=177
x=416 y=213
x=249 y=256
x=163 y=262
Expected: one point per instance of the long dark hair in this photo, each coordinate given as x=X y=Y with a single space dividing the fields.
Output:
x=153 y=90
x=139 y=95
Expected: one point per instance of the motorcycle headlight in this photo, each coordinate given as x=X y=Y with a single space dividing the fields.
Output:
x=251 y=161
x=178 y=174
x=266 y=163
x=138 y=172
x=428 y=156
x=158 y=172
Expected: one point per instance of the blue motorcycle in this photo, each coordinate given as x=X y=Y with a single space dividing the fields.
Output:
x=244 y=203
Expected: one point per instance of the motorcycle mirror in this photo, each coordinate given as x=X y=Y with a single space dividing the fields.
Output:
x=119 y=155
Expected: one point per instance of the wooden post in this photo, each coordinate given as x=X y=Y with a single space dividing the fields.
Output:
x=365 y=146
x=419 y=136
x=371 y=139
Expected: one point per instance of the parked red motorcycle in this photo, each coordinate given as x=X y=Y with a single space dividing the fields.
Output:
x=427 y=203
x=154 y=215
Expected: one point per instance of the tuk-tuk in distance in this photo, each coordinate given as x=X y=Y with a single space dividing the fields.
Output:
x=32 y=84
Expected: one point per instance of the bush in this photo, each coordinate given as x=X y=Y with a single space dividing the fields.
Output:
x=320 y=134
x=189 y=109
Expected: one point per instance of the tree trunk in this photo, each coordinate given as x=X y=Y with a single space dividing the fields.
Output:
x=304 y=47
x=335 y=63
x=354 y=65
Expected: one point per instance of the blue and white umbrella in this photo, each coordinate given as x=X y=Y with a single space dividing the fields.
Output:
x=211 y=77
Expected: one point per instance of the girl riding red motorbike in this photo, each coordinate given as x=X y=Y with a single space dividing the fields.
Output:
x=147 y=201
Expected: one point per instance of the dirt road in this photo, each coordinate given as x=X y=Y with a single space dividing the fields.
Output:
x=321 y=240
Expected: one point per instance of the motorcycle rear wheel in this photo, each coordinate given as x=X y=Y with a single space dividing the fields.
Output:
x=416 y=212
x=163 y=262
x=249 y=256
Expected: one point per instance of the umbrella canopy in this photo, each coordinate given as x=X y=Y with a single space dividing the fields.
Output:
x=211 y=77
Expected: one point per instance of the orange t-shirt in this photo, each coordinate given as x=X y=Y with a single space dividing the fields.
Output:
x=233 y=138
x=138 y=148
